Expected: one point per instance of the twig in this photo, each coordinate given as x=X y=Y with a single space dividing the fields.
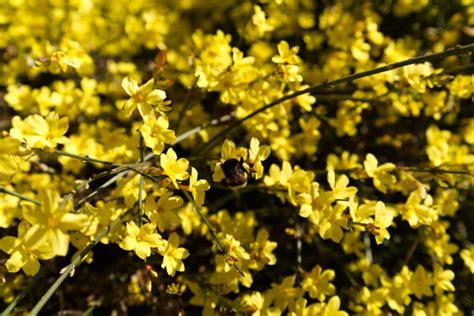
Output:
x=299 y=247
x=435 y=170
x=103 y=186
x=18 y=195
x=105 y=162
x=86 y=158
x=368 y=249
x=140 y=184
x=411 y=251
x=346 y=97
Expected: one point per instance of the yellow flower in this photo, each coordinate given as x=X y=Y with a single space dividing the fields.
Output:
x=380 y=174
x=288 y=61
x=9 y=161
x=144 y=97
x=39 y=132
x=467 y=256
x=383 y=219
x=308 y=201
x=190 y=220
x=54 y=218
x=286 y=55
x=9 y=209
x=142 y=239
x=25 y=250
x=174 y=168
x=421 y=282
x=331 y=308
x=441 y=247
x=163 y=212
x=257 y=154
x=296 y=181
x=156 y=134
x=317 y=283
x=253 y=303
x=285 y=293
x=300 y=308
x=331 y=222
x=418 y=210
x=197 y=187
x=234 y=249
x=261 y=250
x=461 y=86
x=373 y=300
x=399 y=293
x=172 y=255
x=340 y=190
x=442 y=279
x=416 y=75
x=260 y=22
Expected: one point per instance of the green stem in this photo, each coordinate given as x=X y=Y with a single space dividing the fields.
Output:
x=18 y=195
x=105 y=162
x=435 y=170
x=339 y=97
x=140 y=184
x=103 y=186
x=368 y=248
x=74 y=264
x=411 y=251
x=330 y=84
x=87 y=159
x=299 y=248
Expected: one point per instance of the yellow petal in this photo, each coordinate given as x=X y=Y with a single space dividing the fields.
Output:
x=31 y=266
x=142 y=250
x=130 y=86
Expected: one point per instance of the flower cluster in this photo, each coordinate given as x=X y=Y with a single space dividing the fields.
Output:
x=274 y=158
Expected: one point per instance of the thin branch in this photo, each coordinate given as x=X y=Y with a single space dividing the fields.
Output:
x=435 y=170
x=299 y=247
x=108 y=163
x=18 y=195
x=86 y=158
x=103 y=186
x=346 y=97
x=140 y=184
x=411 y=251
x=368 y=248
x=330 y=84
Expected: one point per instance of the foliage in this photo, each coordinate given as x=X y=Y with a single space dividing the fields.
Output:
x=236 y=157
